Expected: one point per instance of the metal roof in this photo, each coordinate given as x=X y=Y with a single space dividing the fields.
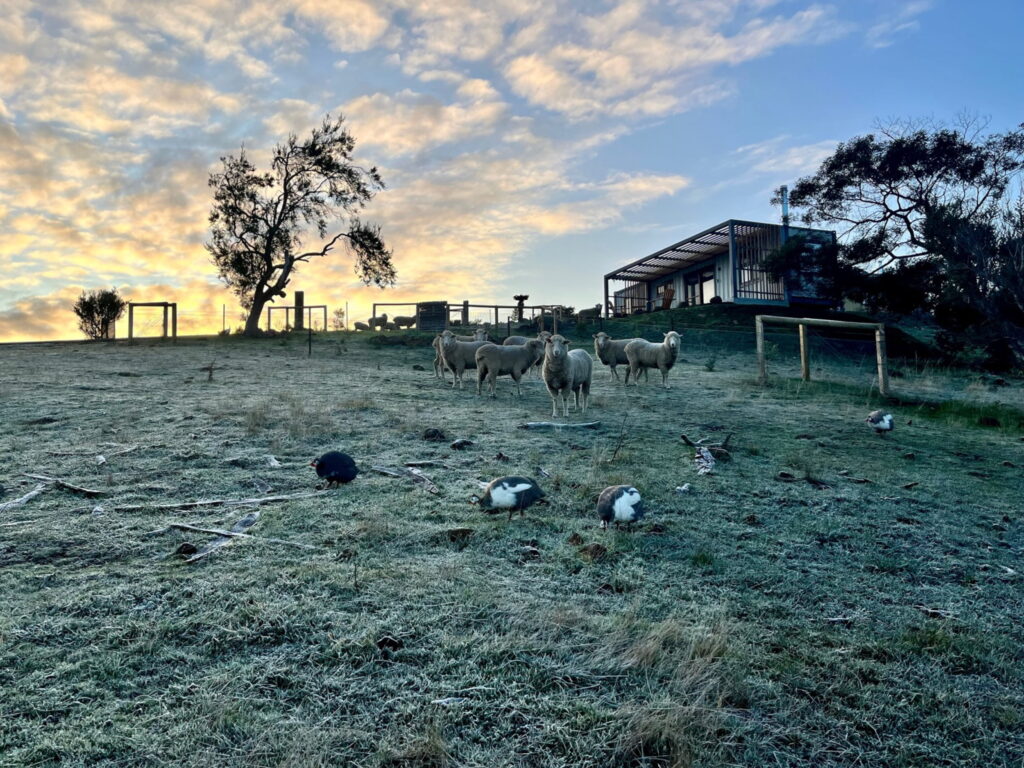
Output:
x=692 y=250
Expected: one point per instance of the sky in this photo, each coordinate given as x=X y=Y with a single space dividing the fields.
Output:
x=528 y=146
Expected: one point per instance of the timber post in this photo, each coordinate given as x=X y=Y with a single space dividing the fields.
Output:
x=805 y=361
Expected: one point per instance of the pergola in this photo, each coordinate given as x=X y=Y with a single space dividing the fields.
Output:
x=743 y=240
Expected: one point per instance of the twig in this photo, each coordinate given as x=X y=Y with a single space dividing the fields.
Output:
x=426 y=463
x=414 y=474
x=559 y=425
x=222 y=532
x=65 y=485
x=24 y=499
x=226 y=540
x=216 y=502
x=622 y=436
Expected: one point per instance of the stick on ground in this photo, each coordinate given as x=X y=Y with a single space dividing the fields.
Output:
x=222 y=532
x=215 y=502
x=24 y=499
x=559 y=425
x=65 y=485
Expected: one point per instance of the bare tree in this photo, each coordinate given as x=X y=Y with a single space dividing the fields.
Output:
x=259 y=221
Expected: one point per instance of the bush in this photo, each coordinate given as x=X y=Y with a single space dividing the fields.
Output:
x=98 y=310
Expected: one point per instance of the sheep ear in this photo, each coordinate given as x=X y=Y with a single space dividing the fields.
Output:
x=595 y=335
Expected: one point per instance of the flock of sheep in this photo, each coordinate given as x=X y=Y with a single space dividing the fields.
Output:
x=564 y=371
x=383 y=324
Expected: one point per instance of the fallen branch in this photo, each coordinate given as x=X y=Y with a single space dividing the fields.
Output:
x=216 y=502
x=559 y=425
x=24 y=499
x=222 y=532
x=65 y=485
x=426 y=463
x=222 y=541
x=415 y=475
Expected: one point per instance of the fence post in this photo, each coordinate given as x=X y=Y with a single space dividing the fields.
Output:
x=883 y=370
x=131 y=321
x=300 y=310
x=762 y=368
x=554 y=321
x=496 y=319
x=465 y=313
x=805 y=360
x=174 y=321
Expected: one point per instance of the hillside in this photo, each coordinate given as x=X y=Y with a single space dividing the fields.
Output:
x=828 y=597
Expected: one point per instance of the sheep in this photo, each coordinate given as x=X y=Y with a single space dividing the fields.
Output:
x=480 y=334
x=646 y=354
x=520 y=340
x=361 y=326
x=374 y=322
x=612 y=352
x=404 y=321
x=458 y=355
x=493 y=361
x=390 y=326
x=439 y=367
x=566 y=372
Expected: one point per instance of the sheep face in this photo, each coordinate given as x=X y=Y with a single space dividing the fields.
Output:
x=557 y=347
x=480 y=334
x=448 y=339
x=672 y=341
x=602 y=341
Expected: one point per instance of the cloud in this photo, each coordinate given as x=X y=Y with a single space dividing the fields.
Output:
x=773 y=157
x=630 y=62
x=883 y=33
x=409 y=122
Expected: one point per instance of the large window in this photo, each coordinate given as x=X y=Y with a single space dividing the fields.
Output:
x=700 y=286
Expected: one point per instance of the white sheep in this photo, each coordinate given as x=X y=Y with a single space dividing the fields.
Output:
x=458 y=355
x=404 y=321
x=361 y=326
x=612 y=352
x=566 y=371
x=390 y=326
x=520 y=340
x=480 y=334
x=375 y=322
x=646 y=354
x=512 y=360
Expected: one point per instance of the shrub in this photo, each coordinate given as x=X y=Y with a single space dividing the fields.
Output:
x=98 y=310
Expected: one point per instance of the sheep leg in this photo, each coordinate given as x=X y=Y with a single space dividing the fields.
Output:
x=585 y=392
x=492 y=382
x=517 y=377
x=615 y=373
x=664 y=377
x=481 y=371
x=634 y=369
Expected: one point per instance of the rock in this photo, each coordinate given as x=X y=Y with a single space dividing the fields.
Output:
x=529 y=553
x=459 y=534
x=186 y=549
x=910 y=455
x=684 y=488
x=461 y=444
x=574 y=539
x=389 y=643
x=502 y=457
x=594 y=552
x=418 y=367
x=434 y=435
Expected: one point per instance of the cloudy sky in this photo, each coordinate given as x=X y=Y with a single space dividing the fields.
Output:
x=528 y=145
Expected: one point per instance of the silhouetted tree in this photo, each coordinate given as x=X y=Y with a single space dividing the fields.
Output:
x=259 y=220
x=98 y=310
x=925 y=223
x=880 y=190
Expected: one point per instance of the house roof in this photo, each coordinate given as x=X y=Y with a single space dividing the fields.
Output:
x=692 y=250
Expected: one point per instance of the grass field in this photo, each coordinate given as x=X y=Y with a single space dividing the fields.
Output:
x=846 y=618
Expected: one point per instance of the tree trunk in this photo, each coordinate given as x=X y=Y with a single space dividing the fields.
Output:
x=252 y=322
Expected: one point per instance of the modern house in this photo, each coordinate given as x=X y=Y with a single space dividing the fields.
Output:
x=726 y=261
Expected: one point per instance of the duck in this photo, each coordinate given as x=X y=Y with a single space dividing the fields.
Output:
x=335 y=468
x=880 y=422
x=620 y=504
x=511 y=492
